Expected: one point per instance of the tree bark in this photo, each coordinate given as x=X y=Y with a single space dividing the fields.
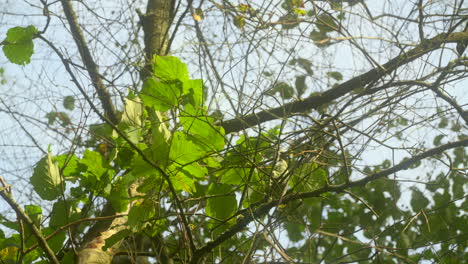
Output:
x=156 y=23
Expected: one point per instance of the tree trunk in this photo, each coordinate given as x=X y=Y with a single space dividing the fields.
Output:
x=156 y=23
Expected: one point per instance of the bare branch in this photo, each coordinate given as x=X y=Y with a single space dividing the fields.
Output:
x=88 y=61
x=312 y=102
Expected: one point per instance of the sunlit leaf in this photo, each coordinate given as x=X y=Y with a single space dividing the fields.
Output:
x=300 y=12
x=169 y=68
x=198 y=14
x=35 y=213
x=19 y=46
x=68 y=165
x=193 y=92
x=184 y=150
x=133 y=112
x=161 y=96
x=46 y=179
x=203 y=130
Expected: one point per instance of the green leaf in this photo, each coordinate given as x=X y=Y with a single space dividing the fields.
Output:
x=300 y=85
x=315 y=212
x=335 y=75
x=418 y=200
x=182 y=179
x=438 y=140
x=235 y=175
x=69 y=102
x=294 y=231
x=19 y=34
x=402 y=121
x=460 y=157
x=161 y=95
x=290 y=4
x=289 y=21
x=203 y=130
x=456 y=126
x=124 y=157
x=458 y=185
x=35 y=213
x=97 y=171
x=118 y=197
x=64 y=213
x=153 y=182
x=119 y=236
x=195 y=170
x=239 y=21
x=133 y=112
x=46 y=179
x=183 y=150
x=139 y=215
x=170 y=68
x=267 y=73
x=193 y=92
x=284 y=89
x=94 y=163
x=19 y=46
x=443 y=122
x=318 y=35
x=68 y=165
x=161 y=137
x=256 y=191
x=9 y=254
x=338 y=5
x=224 y=204
x=141 y=168
x=308 y=177
x=326 y=23
x=56 y=242
x=63 y=117
x=101 y=131
x=69 y=257
x=305 y=64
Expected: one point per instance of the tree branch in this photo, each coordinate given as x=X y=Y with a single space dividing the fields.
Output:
x=36 y=232
x=104 y=225
x=89 y=63
x=265 y=208
x=312 y=102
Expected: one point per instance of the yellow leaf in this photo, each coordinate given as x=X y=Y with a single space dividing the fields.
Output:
x=8 y=253
x=198 y=14
x=239 y=21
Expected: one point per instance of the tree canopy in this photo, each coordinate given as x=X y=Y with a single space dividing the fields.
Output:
x=165 y=131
